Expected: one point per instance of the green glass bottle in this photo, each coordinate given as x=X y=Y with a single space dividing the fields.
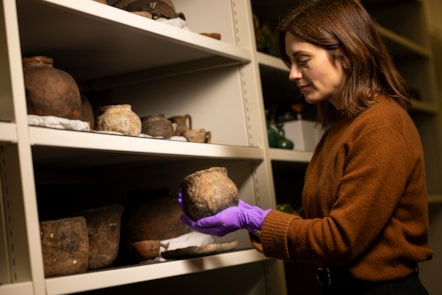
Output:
x=283 y=142
x=272 y=134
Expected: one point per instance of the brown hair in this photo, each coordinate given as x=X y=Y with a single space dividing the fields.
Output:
x=346 y=31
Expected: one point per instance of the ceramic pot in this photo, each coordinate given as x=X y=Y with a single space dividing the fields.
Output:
x=156 y=8
x=119 y=118
x=157 y=126
x=50 y=91
x=150 y=218
x=65 y=246
x=198 y=135
x=207 y=192
x=149 y=249
x=182 y=123
x=103 y=225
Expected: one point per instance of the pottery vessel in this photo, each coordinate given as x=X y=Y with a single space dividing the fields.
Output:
x=149 y=249
x=156 y=8
x=198 y=135
x=65 y=246
x=50 y=91
x=182 y=123
x=104 y=226
x=207 y=192
x=150 y=218
x=119 y=118
x=157 y=126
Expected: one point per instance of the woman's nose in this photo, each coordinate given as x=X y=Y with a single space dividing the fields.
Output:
x=294 y=74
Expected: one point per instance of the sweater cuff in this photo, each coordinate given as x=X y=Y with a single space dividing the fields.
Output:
x=274 y=234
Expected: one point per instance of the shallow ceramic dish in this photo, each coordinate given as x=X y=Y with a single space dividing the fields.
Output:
x=198 y=251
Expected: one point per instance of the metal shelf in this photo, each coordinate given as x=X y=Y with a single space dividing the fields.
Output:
x=91 y=40
x=67 y=147
x=129 y=275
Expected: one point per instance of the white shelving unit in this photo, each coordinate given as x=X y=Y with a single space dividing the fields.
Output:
x=118 y=57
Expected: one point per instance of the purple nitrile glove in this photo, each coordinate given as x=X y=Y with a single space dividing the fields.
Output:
x=180 y=199
x=229 y=220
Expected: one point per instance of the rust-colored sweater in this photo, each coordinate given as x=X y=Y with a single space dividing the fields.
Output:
x=364 y=203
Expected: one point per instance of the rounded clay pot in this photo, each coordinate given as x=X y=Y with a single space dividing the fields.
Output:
x=207 y=192
x=119 y=118
x=50 y=91
x=157 y=126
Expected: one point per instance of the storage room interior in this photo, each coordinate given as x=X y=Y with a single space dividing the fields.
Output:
x=223 y=87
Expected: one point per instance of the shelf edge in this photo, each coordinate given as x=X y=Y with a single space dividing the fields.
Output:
x=110 y=13
x=120 y=143
x=398 y=39
x=271 y=61
x=136 y=274
x=434 y=199
x=8 y=132
x=290 y=155
x=17 y=288
x=423 y=107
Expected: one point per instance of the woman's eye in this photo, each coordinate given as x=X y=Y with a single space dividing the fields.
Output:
x=302 y=62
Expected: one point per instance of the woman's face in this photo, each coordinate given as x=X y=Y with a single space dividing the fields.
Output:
x=316 y=74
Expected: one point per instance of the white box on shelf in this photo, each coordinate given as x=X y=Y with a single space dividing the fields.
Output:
x=304 y=134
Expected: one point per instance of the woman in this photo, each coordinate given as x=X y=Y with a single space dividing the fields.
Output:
x=364 y=217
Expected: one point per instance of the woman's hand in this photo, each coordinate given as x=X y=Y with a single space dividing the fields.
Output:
x=228 y=220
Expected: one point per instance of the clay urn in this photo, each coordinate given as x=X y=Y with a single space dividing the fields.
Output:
x=157 y=126
x=146 y=221
x=119 y=118
x=50 y=91
x=104 y=226
x=207 y=192
x=65 y=246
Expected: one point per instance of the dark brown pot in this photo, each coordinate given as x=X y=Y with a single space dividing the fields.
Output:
x=155 y=8
x=104 y=226
x=149 y=249
x=157 y=126
x=151 y=218
x=207 y=192
x=65 y=246
x=50 y=91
